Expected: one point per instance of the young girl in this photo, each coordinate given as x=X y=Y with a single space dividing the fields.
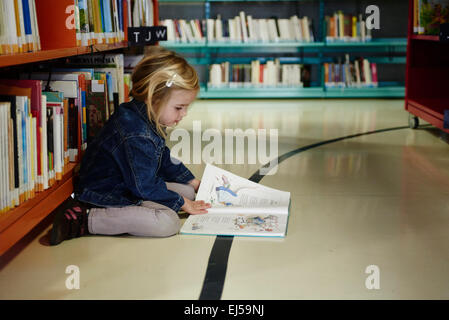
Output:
x=128 y=182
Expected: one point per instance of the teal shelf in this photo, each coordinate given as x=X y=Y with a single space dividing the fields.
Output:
x=377 y=50
x=373 y=43
x=181 y=45
x=379 y=92
x=400 y=42
x=290 y=93
x=262 y=92
x=264 y=44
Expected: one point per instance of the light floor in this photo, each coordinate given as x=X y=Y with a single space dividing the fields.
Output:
x=380 y=199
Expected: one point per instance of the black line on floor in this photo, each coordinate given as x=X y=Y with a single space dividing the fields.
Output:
x=218 y=261
x=216 y=269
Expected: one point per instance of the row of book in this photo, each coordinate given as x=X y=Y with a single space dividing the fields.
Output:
x=346 y=28
x=272 y=73
x=242 y=28
x=359 y=73
x=428 y=15
x=19 y=30
x=107 y=21
x=95 y=21
x=50 y=118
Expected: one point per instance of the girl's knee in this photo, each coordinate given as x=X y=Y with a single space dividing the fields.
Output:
x=168 y=223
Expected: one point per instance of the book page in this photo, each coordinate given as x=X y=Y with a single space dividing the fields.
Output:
x=227 y=193
x=262 y=225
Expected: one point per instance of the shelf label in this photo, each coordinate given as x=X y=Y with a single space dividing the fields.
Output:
x=146 y=35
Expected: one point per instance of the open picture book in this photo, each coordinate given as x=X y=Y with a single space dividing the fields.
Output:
x=239 y=207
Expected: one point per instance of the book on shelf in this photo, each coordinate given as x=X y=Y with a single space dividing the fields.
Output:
x=428 y=15
x=241 y=28
x=341 y=27
x=256 y=74
x=239 y=207
x=20 y=32
x=112 y=65
x=97 y=107
x=357 y=74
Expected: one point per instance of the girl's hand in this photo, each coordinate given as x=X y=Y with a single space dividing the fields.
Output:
x=195 y=207
x=195 y=183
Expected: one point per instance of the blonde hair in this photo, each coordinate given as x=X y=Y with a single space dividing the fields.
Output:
x=155 y=77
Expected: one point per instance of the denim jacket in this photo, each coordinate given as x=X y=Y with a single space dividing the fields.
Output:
x=128 y=162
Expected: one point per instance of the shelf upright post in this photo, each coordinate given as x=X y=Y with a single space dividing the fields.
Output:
x=207 y=56
x=321 y=38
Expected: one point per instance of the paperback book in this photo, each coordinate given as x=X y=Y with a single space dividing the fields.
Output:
x=239 y=207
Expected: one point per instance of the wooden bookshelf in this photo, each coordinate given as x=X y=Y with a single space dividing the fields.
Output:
x=43 y=55
x=16 y=223
x=57 y=42
x=427 y=80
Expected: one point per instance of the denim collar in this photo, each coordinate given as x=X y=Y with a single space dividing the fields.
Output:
x=141 y=108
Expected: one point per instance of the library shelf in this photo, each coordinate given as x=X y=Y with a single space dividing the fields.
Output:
x=427 y=68
x=17 y=222
x=281 y=44
x=387 y=42
x=430 y=110
x=57 y=41
x=385 y=50
x=424 y=37
x=260 y=92
x=379 y=42
x=299 y=92
x=43 y=55
x=376 y=92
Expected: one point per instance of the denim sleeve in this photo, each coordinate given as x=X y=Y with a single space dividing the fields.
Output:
x=139 y=170
x=173 y=170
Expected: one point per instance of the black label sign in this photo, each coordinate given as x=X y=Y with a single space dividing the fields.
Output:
x=146 y=35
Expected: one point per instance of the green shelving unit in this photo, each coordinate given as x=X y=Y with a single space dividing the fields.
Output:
x=382 y=51
x=260 y=92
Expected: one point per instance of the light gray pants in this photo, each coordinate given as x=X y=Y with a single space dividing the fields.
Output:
x=150 y=219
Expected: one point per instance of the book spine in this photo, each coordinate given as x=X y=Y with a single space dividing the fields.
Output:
x=374 y=74
x=3 y=162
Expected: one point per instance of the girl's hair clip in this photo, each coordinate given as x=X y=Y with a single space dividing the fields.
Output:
x=169 y=82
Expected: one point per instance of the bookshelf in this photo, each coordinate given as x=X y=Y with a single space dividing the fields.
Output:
x=44 y=55
x=427 y=78
x=382 y=50
x=57 y=42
